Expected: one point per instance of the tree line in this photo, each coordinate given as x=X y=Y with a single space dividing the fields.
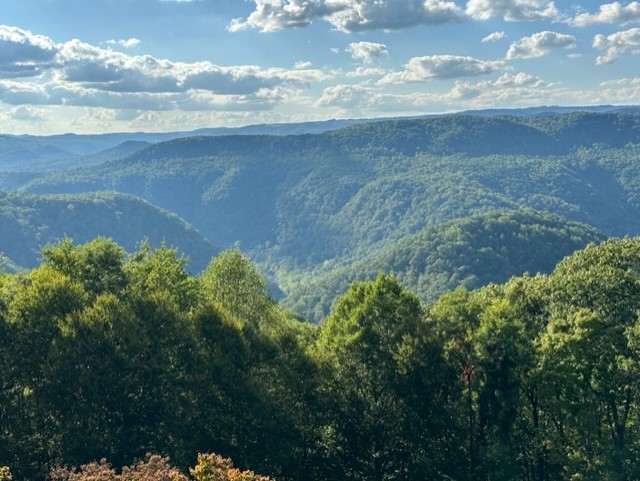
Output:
x=108 y=355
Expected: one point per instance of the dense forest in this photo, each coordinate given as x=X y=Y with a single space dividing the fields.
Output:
x=31 y=221
x=315 y=209
x=451 y=297
x=113 y=355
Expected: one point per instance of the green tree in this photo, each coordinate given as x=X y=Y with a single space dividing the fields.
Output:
x=98 y=264
x=590 y=363
x=237 y=287
x=455 y=316
x=369 y=345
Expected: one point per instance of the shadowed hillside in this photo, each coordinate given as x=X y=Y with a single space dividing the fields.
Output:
x=32 y=221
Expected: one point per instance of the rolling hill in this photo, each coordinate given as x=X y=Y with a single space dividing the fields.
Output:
x=345 y=197
x=468 y=252
x=31 y=221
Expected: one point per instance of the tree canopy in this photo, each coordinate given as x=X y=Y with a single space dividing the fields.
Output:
x=114 y=355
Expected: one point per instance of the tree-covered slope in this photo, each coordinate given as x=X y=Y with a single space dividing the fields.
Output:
x=317 y=197
x=469 y=252
x=32 y=221
x=297 y=202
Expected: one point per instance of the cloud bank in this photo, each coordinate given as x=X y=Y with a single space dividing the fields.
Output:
x=80 y=74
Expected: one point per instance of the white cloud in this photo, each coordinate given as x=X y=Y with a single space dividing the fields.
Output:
x=621 y=82
x=494 y=37
x=512 y=10
x=508 y=90
x=540 y=44
x=27 y=113
x=613 y=13
x=420 y=69
x=23 y=54
x=363 y=15
x=80 y=74
x=345 y=96
x=128 y=43
x=348 y=15
x=617 y=44
x=272 y=15
x=368 y=52
x=619 y=91
x=367 y=72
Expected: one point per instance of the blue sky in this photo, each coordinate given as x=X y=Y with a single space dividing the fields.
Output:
x=156 y=65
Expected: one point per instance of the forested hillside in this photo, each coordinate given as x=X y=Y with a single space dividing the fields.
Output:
x=111 y=355
x=468 y=252
x=31 y=221
x=299 y=203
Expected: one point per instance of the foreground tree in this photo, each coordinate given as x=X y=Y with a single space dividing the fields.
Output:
x=384 y=386
x=591 y=362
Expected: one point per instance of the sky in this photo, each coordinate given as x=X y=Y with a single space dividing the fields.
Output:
x=93 y=66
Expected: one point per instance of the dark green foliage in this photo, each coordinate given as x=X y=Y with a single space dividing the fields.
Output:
x=107 y=354
x=32 y=221
x=469 y=252
x=387 y=415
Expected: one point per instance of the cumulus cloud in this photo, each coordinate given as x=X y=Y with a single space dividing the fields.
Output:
x=128 y=43
x=26 y=113
x=23 y=54
x=75 y=96
x=81 y=74
x=540 y=44
x=272 y=15
x=512 y=10
x=613 y=13
x=507 y=90
x=622 y=90
x=617 y=44
x=494 y=37
x=345 y=96
x=420 y=69
x=367 y=72
x=348 y=15
x=367 y=52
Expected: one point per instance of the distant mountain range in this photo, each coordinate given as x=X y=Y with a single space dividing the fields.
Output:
x=29 y=153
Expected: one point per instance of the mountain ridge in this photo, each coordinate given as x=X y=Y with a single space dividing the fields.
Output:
x=345 y=196
x=69 y=150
